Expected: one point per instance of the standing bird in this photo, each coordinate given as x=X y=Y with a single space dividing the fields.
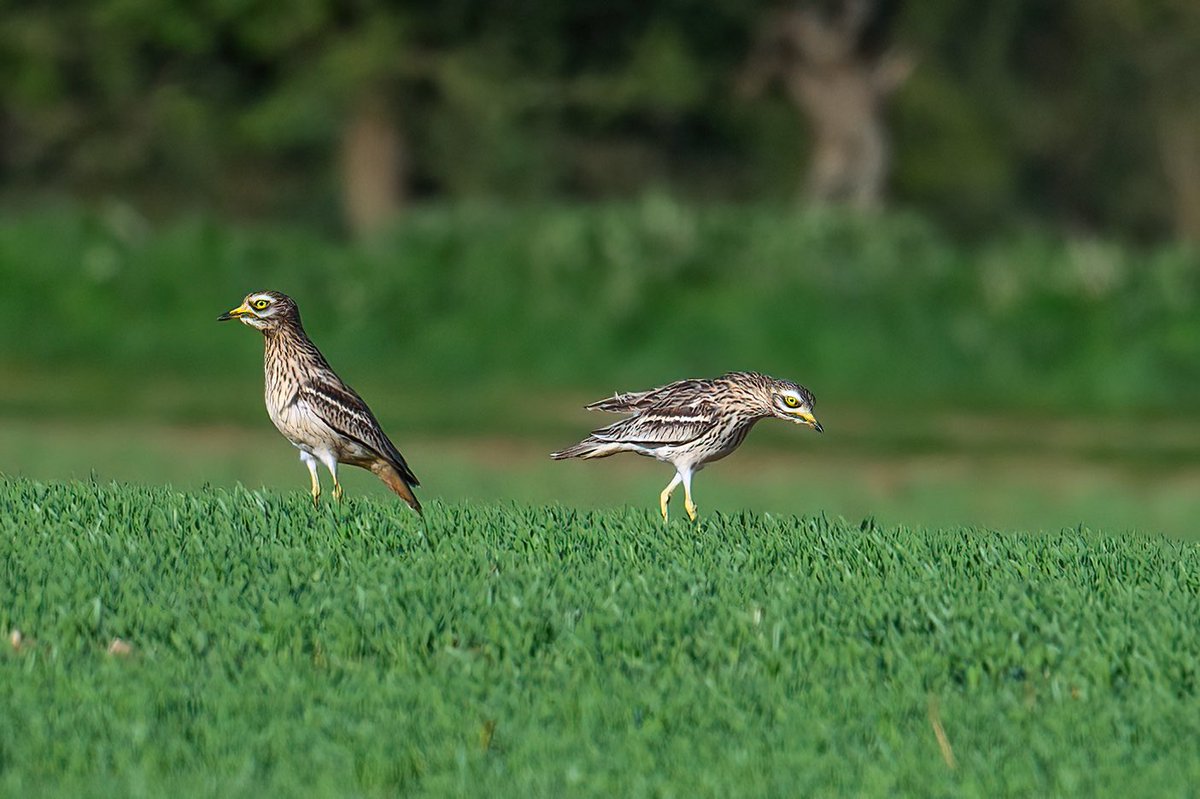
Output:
x=691 y=423
x=322 y=416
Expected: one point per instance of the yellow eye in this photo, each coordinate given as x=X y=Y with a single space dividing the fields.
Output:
x=261 y=305
x=791 y=401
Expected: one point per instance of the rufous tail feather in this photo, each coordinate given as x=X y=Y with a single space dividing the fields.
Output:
x=392 y=479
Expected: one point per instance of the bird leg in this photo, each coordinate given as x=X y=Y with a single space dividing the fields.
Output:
x=311 y=463
x=664 y=498
x=331 y=463
x=692 y=511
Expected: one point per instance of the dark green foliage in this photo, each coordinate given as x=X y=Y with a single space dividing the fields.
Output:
x=519 y=651
x=1078 y=111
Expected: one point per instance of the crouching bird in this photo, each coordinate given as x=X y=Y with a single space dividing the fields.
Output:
x=691 y=423
x=322 y=416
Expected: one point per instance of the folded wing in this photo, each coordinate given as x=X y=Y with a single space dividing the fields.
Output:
x=659 y=427
x=669 y=398
x=345 y=412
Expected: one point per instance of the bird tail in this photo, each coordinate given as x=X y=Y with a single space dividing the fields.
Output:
x=394 y=480
x=590 y=447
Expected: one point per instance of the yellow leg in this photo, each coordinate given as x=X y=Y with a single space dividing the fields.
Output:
x=337 y=490
x=692 y=511
x=664 y=498
x=311 y=464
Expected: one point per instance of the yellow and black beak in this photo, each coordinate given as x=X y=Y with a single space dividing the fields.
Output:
x=810 y=420
x=241 y=310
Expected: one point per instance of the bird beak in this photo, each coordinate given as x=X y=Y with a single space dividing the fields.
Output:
x=810 y=420
x=241 y=310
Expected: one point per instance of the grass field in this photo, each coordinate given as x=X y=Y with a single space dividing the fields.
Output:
x=999 y=471
x=516 y=651
x=962 y=588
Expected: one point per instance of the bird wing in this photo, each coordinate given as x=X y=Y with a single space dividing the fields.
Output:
x=620 y=403
x=661 y=426
x=340 y=407
x=679 y=393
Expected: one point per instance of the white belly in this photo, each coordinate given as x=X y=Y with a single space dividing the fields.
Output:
x=300 y=424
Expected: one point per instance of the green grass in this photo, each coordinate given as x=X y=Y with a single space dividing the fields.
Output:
x=518 y=651
x=993 y=471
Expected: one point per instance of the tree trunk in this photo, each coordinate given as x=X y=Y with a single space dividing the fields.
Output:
x=1179 y=149
x=840 y=87
x=373 y=166
x=849 y=141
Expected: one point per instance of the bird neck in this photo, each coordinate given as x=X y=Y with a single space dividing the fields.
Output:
x=292 y=343
x=748 y=420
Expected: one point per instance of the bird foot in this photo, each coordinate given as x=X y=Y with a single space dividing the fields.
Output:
x=337 y=491
x=692 y=511
x=316 y=497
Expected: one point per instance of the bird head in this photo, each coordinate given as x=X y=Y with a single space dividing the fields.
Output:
x=793 y=402
x=264 y=310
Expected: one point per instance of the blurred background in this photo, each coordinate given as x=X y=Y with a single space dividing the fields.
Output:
x=970 y=229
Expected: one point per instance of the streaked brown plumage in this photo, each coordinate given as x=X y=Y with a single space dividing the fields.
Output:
x=691 y=423
x=310 y=405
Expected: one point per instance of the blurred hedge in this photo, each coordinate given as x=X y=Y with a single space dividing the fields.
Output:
x=883 y=311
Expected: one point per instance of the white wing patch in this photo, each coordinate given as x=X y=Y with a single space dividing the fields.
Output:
x=657 y=428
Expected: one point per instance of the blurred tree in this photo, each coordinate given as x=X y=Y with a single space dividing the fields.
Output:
x=836 y=67
x=1081 y=112
x=93 y=94
x=338 y=75
x=239 y=101
x=973 y=126
x=1143 y=58
x=629 y=104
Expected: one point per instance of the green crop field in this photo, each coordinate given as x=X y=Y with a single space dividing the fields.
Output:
x=274 y=649
x=960 y=589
